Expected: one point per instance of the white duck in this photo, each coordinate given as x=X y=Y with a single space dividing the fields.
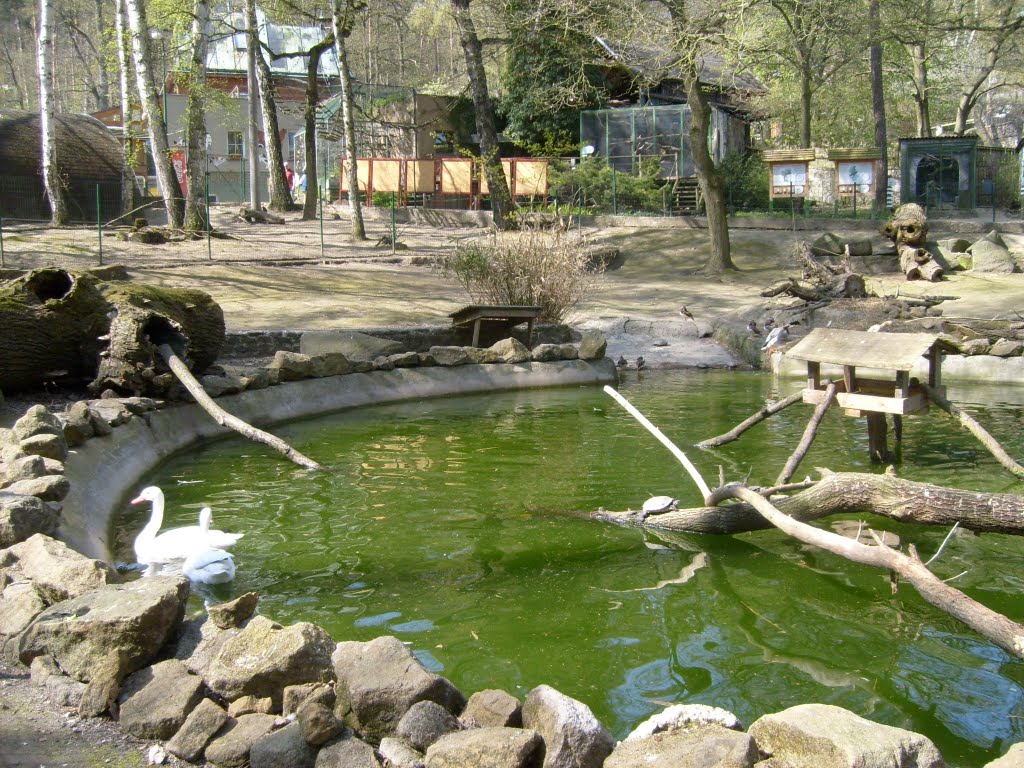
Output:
x=177 y=543
x=207 y=564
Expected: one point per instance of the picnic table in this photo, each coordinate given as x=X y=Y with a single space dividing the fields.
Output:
x=507 y=316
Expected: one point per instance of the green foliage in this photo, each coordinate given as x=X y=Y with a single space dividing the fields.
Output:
x=549 y=269
x=746 y=182
x=596 y=185
x=383 y=199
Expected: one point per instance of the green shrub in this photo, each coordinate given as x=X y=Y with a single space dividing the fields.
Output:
x=383 y=199
x=547 y=268
x=746 y=182
x=593 y=184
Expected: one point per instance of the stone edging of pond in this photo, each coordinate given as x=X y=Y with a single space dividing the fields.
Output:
x=232 y=687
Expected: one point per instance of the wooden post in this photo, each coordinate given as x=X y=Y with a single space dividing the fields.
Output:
x=877 y=432
x=813 y=374
x=476 y=332
x=897 y=427
x=850 y=378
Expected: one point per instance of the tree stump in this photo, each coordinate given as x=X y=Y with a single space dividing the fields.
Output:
x=78 y=327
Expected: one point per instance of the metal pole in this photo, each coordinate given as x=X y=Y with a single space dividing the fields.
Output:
x=99 y=223
x=320 y=199
x=394 y=236
x=615 y=199
x=209 y=224
x=2 y=264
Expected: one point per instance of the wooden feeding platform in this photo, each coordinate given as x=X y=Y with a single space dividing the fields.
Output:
x=872 y=395
x=505 y=316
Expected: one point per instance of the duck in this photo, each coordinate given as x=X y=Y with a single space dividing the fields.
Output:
x=777 y=337
x=640 y=363
x=769 y=323
x=177 y=543
x=622 y=362
x=208 y=564
x=753 y=329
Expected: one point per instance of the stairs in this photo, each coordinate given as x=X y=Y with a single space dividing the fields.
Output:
x=686 y=197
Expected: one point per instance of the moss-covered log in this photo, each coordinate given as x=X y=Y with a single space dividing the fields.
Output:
x=61 y=325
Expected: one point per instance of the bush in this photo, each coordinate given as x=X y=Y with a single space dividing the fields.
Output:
x=546 y=268
x=593 y=183
x=746 y=182
x=383 y=199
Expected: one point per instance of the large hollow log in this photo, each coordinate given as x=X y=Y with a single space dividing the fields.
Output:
x=76 y=327
x=856 y=493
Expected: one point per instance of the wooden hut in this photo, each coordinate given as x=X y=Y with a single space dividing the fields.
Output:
x=88 y=157
x=875 y=371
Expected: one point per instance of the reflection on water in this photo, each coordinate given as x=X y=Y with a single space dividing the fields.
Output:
x=451 y=524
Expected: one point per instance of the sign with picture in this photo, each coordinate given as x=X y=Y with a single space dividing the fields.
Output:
x=789 y=179
x=855 y=177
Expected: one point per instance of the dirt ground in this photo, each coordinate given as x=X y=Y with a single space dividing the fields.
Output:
x=281 y=277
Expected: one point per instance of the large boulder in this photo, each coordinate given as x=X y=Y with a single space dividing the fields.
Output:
x=348 y=752
x=37 y=420
x=379 y=680
x=550 y=353
x=488 y=748
x=354 y=345
x=684 y=716
x=201 y=725
x=1014 y=758
x=155 y=701
x=58 y=572
x=21 y=516
x=573 y=737
x=284 y=747
x=425 y=723
x=593 y=345
x=19 y=604
x=116 y=629
x=989 y=256
x=707 y=746
x=264 y=657
x=291 y=366
x=814 y=735
x=450 y=356
x=492 y=708
x=511 y=350
x=231 y=747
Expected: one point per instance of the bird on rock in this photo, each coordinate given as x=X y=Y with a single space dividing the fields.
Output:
x=769 y=324
x=753 y=329
x=686 y=313
x=777 y=337
x=641 y=363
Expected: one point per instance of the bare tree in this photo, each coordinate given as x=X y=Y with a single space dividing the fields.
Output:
x=195 y=115
x=153 y=113
x=309 y=204
x=501 y=198
x=878 y=101
x=343 y=19
x=280 y=195
x=252 y=46
x=127 y=111
x=51 y=173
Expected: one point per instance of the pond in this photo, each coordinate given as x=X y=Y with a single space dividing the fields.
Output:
x=451 y=524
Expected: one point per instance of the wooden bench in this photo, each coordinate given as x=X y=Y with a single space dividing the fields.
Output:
x=507 y=315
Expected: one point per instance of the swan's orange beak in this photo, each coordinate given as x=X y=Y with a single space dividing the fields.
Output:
x=137 y=500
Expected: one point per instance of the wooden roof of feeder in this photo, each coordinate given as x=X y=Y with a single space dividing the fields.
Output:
x=898 y=352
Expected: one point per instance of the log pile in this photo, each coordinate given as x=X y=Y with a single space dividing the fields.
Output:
x=79 y=328
x=908 y=230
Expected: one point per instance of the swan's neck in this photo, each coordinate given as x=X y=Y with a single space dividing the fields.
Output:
x=156 y=519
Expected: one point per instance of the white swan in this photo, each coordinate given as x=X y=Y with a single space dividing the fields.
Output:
x=208 y=565
x=177 y=543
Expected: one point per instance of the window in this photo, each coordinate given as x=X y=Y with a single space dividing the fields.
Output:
x=235 y=144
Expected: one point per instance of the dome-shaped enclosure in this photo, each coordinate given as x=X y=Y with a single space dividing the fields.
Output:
x=88 y=155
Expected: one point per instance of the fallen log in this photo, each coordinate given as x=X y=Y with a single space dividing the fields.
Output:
x=252 y=216
x=1005 y=633
x=809 y=434
x=856 y=493
x=972 y=425
x=757 y=418
x=224 y=418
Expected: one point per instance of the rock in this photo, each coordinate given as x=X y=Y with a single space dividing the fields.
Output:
x=1014 y=758
x=347 y=752
x=235 y=612
x=488 y=748
x=19 y=605
x=398 y=754
x=318 y=722
x=216 y=386
x=335 y=364
x=47 y=488
x=547 y=353
x=511 y=350
x=294 y=696
x=828 y=246
x=987 y=256
x=383 y=364
x=425 y=723
x=379 y=680
x=354 y=345
x=492 y=708
x=449 y=356
x=992 y=236
x=247 y=705
x=62 y=691
x=972 y=347
x=22 y=516
x=291 y=366
x=199 y=728
x=684 y=716
x=815 y=735
x=285 y=747
x=485 y=356
x=58 y=572
x=592 y=346
x=156 y=700
x=110 y=413
x=24 y=467
x=199 y=642
x=405 y=359
x=232 y=745
x=702 y=746
x=264 y=657
x=255 y=378
x=1007 y=348
x=37 y=420
x=127 y=624
x=573 y=737
x=78 y=425
x=46 y=445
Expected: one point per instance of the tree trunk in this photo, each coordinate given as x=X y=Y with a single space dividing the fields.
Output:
x=280 y=195
x=490 y=157
x=52 y=177
x=59 y=324
x=103 y=78
x=919 y=76
x=153 y=113
x=905 y=501
x=878 y=104
x=342 y=20
x=198 y=162
x=806 y=94
x=252 y=127
x=309 y=204
x=127 y=112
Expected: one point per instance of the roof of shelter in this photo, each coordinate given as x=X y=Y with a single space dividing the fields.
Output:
x=228 y=46
x=86 y=149
x=888 y=351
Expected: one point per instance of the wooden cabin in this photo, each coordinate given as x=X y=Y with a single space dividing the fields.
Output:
x=875 y=375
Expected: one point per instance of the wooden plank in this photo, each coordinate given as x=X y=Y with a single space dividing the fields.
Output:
x=470 y=313
x=888 y=351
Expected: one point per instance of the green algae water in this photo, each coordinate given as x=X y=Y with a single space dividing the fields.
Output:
x=452 y=524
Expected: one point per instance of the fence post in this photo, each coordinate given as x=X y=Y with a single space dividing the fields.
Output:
x=209 y=224
x=615 y=200
x=2 y=264
x=99 y=223
x=394 y=235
